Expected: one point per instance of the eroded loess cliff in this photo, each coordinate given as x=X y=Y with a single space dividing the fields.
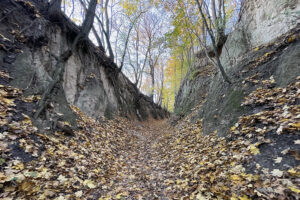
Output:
x=30 y=44
x=264 y=44
x=262 y=58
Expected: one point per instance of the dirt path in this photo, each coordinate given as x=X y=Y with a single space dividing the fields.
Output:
x=121 y=159
x=142 y=169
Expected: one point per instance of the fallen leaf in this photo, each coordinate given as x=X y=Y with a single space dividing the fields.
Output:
x=199 y=196
x=254 y=150
x=3 y=177
x=295 y=154
x=278 y=160
x=297 y=141
x=277 y=172
x=295 y=125
x=62 y=178
x=78 y=194
x=294 y=189
x=89 y=183
x=245 y=197
x=284 y=152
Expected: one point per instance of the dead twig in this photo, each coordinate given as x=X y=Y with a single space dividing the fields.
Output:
x=6 y=14
x=14 y=3
x=27 y=27
x=30 y=82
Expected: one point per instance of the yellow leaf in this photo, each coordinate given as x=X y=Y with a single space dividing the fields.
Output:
x=267 y=54
x=291 y=39
x=27 y=121
x=29 y=187
x=2 y=177
x=62 y=163
x=295 y=125
x=254 y=150
x=89 y=183
x=294 y=189
x=233 y=128
x=67 y=123
x=19 y=166
x=293 y=172
x=236 y=178
x=9 y=102
x=245 y=197
x=212 y=179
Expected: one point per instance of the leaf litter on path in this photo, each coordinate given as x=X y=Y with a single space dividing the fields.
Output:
x=121 y=159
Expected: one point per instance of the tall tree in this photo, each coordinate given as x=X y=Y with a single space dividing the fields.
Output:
x=107 y=31
x=54 y=9
x=97 y=36
x=151 y=29
x=132 y=24
x=213 y=40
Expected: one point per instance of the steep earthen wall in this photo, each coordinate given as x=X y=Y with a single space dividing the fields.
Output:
x=91 y=81
x=267 y=37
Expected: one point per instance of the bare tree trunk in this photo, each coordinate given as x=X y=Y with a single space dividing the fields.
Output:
x=125 y=48
x=175 y=84
x=140 y=75
x=137 y=45
x=226 y=78
x=106 y=29
x=116 y=46
x=87 y=23
x=99 y=41
x=220 y=3
x=224 y=13
x=101 y=19
x=181 y=67
x=188 y=58
x=100 y=45
x=63 y=58
x=54 y=9
x=107 y=32
x=127 y=40
x=214 y=11
x=168 y=102
x=221 y=23
x=152 y=81
x=162 y=86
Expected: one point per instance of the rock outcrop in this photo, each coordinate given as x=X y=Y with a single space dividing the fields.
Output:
x=91 y=81
x=260 y=22
x=265 y=43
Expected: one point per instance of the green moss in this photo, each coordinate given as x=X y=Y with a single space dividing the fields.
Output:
x=194 y=74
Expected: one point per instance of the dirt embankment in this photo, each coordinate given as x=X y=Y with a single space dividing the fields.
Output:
x=30 y=44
